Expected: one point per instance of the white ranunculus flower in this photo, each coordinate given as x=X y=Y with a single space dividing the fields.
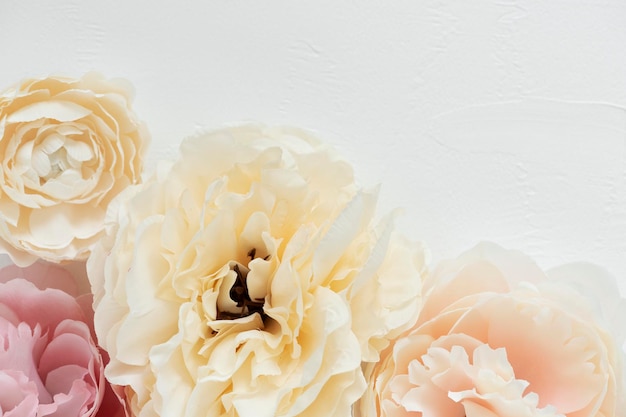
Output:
x=249 y=279
x=68 y=147
x=499 y=337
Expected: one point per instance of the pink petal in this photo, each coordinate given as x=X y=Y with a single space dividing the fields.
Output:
x=66 y=349
x=62 y=379
x=33 y=306
x=43 y=275
x=23 y=349
x=18 y=395
x=7 y=316
x=78 y=402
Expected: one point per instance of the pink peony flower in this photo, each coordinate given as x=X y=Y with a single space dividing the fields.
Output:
x=49 y=362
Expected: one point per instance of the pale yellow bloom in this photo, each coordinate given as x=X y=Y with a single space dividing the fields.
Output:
x=250 y=279
x=68 y=146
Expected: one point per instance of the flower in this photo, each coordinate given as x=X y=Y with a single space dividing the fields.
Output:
x=499 y=337
x=231 y=284
x=49 y=362
x=67 y=148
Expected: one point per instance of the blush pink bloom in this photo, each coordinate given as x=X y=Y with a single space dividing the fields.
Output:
x=49 y=362
x=498 y=337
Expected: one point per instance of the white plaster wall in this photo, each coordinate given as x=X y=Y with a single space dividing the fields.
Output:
x=501 y=120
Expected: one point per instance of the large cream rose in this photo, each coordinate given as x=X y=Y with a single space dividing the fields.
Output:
x=250 y=280
x=67 y=147
x=500 y=338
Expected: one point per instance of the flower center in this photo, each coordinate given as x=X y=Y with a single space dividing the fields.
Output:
x=58 y=153
x=239 y=293
x=57 y=164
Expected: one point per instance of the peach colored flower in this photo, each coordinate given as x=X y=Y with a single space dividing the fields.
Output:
x=499 y=337
x=49 y=363
x=67 y=147
x=250 y=280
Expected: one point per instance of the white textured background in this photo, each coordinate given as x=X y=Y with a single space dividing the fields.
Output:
x=499 y=120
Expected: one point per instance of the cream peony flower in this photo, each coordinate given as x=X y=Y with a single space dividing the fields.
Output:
x=67 y=147
x=499 y=338
x=250 y=280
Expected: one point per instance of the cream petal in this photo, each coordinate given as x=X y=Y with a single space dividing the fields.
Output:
x=389 y=301
x=24 y=154
x=49 y=226
x=174 y=389
x=136 y=338
x=375 y=258
x=19 y=257
x=258 y=278
x=62 y=111
x=253 y=233
x=10 y=211
x=65 y=186
x=261 y=404
x=341 y=233
x=41 y=163
x=80 y=151
x=55 y=141
x=32 y=201
x=224 y=302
